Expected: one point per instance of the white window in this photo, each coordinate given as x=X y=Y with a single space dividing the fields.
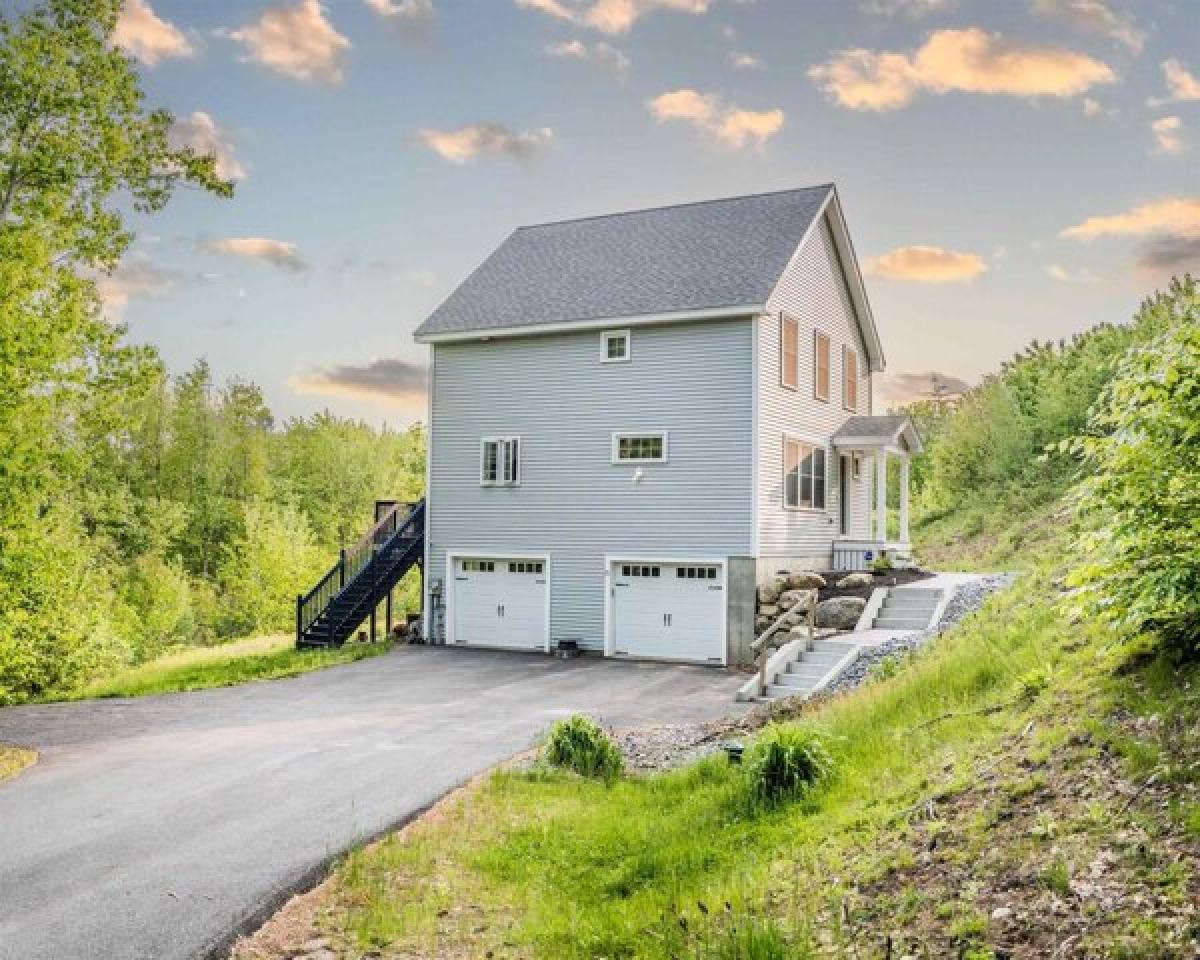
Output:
x=639 y=448
x=803 y=475
x=614 y=346
x=500 y=462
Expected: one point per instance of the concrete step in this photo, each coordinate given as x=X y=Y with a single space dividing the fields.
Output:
x=798 y=680
x=920 y=603
x=802 y=669
x=777 y=691
x=900 y=623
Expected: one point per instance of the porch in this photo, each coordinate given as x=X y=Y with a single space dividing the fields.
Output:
x=875 y=439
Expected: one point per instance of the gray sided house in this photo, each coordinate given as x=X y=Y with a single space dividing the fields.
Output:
x=635 y=418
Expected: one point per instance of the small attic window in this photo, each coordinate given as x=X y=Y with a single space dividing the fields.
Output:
x=614 y=346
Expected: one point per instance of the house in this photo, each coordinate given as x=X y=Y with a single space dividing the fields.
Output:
x=635 y=418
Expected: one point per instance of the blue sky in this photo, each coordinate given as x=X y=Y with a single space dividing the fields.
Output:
x=1010 y=170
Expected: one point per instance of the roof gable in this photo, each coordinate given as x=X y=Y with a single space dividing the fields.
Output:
x=667 y=260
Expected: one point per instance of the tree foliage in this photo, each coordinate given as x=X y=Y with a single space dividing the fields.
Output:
x=1141 y=497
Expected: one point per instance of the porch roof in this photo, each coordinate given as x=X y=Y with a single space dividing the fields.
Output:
x=894 y=432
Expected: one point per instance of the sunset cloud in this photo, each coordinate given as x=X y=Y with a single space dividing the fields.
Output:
x=957 y=61
x=1171 y=254
x=744 y=61
x=1168 y=134
x=909 y=9
x=1182 y=84
x=1095 y=17
x=730 y=124
x=610 y=16
x=136 y=278
x=278 y=253
x=899 y=389
x=296 y=41
x=601 y=54
x=404 y=11
x=484 y=139
x=141 y=33
x=201 y=133
x=924 y=264
x=388 y=378
x=1063 y=275
x=1178 y=216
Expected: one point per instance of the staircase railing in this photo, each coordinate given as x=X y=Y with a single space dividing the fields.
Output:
x=764 y=646
x=353 y=560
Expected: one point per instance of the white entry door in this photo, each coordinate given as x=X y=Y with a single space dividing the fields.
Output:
x=500 y=602
x=670 y=611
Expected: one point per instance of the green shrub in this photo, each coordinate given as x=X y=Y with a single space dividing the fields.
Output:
x=578 y=743
x=785 y=762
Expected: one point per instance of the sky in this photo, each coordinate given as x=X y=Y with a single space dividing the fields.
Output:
x=1010 y=170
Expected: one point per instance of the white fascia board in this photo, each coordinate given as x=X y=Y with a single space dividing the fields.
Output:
x=598 y=323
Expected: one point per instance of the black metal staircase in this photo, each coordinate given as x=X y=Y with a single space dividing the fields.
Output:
x=362 y=578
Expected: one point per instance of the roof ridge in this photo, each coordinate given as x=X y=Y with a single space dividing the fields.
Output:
x=675 y=206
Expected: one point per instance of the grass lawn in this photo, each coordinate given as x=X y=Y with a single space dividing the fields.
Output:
x=197 y=668
x=14 y=759
x=1014 y=765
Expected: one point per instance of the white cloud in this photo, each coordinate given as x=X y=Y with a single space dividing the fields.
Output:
x=727 y=122
x=925 y=264
x=278 y=253
x=962 y=61
x=201 y=133
x=1168 y=135
x=1182 y=84
x=296 y=41
x=1063 y=275
x=1169 y=215
x=410 y=11
x=484 y=139
x=898 y=389
x=133 y=279
x=745 y=61
x=611 y=16
x=910 y=9
x=1095 y=17
x=601 y=54
x=141 y=33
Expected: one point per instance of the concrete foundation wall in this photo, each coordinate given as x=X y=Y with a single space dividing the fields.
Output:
x=742 y=603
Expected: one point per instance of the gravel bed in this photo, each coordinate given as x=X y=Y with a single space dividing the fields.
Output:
x=664 y=747
x=967 y=598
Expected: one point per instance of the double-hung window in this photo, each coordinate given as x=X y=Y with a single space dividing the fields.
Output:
x=820 y=365
x=803 y=475
x=850 y=379
x=500 y=462
x=789 y=351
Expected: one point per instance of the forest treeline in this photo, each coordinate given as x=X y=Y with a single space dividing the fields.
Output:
x=137 y=510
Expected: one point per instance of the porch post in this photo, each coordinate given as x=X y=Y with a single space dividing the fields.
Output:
x=881 y=496
x=904 y=475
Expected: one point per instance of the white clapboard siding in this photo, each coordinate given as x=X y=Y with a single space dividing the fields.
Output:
x=814 y=291
x=692 y=380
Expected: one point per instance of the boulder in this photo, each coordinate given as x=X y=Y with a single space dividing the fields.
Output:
x=840 y=613
x=769 y=592
x=806 y=598
x=799 y=633
x=805 y=580
x=761 y=624
x=768 y=610
x=855 y=581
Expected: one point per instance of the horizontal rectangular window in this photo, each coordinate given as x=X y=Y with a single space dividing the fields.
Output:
x=500 y=462
x=639 y=447
x=614 y=346
x=803 y=475
x=636 y=570
x=525 y=566
x=479 y=566
x=696 y=573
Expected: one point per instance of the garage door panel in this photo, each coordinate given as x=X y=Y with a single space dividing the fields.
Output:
x=500 y=602
x=669 y=611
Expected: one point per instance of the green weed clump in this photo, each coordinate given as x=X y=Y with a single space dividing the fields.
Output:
x=578 y=743
x=786 y=762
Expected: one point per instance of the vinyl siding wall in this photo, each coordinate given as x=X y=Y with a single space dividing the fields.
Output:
x=813 y=290
x=692 y=380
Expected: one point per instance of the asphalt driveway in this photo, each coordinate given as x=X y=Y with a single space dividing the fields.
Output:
x=154 y=828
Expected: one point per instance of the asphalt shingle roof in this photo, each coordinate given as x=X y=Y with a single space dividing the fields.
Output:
x=717 y=253
x=882 y=427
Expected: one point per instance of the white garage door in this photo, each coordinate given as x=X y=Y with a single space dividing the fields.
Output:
x=500 y=602
x=670 y=611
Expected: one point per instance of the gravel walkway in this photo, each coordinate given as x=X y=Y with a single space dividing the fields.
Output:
x=967 y=598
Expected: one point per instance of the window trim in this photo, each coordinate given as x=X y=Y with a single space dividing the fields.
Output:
x=820 y=336
x=500 y=442
x=619 y=435
x=813 y=445
x=606 y=336
x=784 y=321
x=849 y=382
